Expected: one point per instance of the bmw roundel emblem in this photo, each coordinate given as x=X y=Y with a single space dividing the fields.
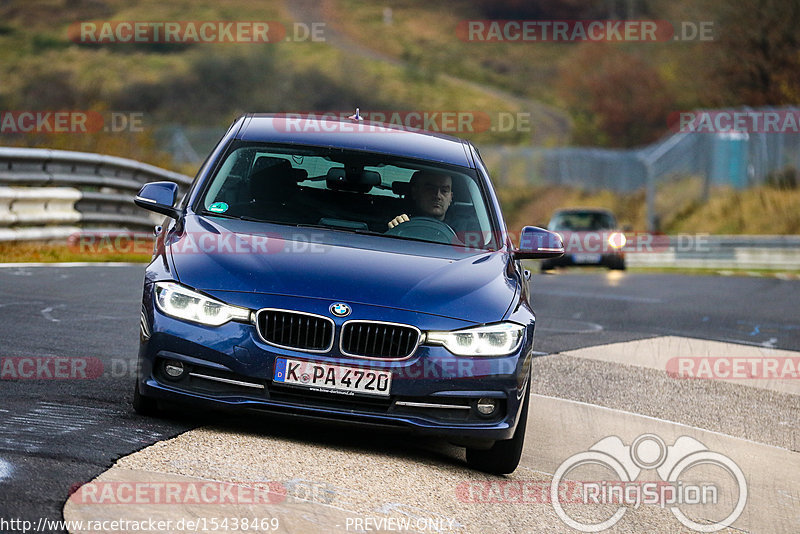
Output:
x=340 y=309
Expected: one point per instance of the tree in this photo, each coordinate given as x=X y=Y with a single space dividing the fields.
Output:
x=757 y=49
x=615 y=98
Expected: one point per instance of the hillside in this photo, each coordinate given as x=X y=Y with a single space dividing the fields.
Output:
x=367 y=57
x=202 y=84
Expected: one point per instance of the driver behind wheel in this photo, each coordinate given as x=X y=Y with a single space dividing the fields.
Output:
x=430 y=195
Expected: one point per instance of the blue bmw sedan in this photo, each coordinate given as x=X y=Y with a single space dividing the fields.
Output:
x=343 y=270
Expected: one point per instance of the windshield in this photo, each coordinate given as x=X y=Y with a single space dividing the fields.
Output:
x=352 y=191
x=582 y=221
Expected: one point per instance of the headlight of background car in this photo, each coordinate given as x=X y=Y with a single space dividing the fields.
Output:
x=491 y=340
x=184 y=303
x=617 y=240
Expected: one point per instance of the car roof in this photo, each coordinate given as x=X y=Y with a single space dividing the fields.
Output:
x=305 y=129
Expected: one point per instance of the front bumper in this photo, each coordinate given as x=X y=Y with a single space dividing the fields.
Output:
x=432 y=392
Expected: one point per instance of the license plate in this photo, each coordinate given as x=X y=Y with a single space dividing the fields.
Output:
x=333 y=378
x=586 y=258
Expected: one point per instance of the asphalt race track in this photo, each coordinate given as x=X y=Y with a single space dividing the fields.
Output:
x=604 y=339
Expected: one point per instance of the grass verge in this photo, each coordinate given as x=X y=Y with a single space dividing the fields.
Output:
x=50 y=252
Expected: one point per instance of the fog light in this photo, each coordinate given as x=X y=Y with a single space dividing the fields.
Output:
x=486 y=406
x=174 y=369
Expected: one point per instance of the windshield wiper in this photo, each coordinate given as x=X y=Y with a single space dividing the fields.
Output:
x=229 y=216
x=337 y=228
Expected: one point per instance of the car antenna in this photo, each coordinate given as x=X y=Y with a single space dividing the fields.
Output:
x=356 y=116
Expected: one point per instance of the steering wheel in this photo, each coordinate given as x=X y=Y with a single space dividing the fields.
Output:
x=425 y=228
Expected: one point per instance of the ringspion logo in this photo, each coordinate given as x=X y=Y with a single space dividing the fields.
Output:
x=674 y=490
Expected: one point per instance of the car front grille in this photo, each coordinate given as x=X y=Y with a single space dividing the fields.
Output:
x=371 y=339
x=295 y=330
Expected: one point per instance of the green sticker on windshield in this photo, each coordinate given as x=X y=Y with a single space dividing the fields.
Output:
x=218 y=207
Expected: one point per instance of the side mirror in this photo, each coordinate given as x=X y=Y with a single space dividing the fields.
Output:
x=159 y=197
x=537 y=244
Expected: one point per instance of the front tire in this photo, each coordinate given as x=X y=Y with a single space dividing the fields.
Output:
x=618 y=265
x=143 y=405
x=503 y=457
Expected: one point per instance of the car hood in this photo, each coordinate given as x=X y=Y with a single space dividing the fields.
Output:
x=470 y=287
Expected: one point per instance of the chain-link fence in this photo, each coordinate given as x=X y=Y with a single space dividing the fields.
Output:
x=733 y=158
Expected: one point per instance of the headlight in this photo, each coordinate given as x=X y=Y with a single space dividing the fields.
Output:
x=617 y=240
x=492 y=340
x=184 y=303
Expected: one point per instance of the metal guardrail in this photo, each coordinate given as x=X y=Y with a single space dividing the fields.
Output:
x=773 y=252
x=51 y=194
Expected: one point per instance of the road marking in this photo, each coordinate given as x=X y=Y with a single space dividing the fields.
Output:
x=46 y=313
x=569 y=326
x=606 y=296
x=770 y=344
x=19 y=271
x=6 y=470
